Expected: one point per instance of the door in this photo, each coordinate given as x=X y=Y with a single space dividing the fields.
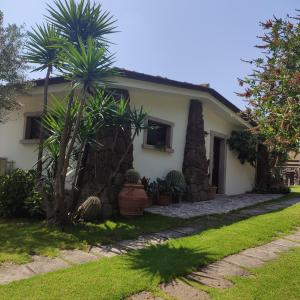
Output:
x=218 y=164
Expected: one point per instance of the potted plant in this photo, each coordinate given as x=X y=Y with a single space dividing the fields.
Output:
x=177 y=182
x=132 y=198
x=148 y=189
x=164 y=192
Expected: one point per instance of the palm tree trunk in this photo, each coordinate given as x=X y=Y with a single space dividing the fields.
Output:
x=42 y=130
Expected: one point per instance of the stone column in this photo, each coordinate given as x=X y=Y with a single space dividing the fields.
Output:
x=195 y=164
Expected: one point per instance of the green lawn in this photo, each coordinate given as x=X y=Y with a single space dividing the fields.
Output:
x=278 y=280
x=120 y=276
x=21 y=238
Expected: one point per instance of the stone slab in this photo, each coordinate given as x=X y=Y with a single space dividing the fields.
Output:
x=223 y=268
x=42 y=264
x=107 y=251
x=187 y=230
x=254 y=211
x=171 y=234
x=244 y=261
x=182 y=291
x=293 y=237
x=286 y=243
x=10 y=272
x=271 y=247
x=134 y=244
x=210 y=279
x=259 y=253
x=221 y=205
x=144 y=296
x=77 y=256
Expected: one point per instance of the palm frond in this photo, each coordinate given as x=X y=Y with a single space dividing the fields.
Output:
x=79 y=21
x=39 y=48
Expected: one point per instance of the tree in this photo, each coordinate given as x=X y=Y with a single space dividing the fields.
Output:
x=41 y=51
x=273 y=88
x=12 y=67
x=85 y=62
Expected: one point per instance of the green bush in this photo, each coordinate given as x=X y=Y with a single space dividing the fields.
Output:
x=18 y=197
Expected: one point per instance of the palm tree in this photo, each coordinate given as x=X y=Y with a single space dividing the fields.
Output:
x=86 y=63
x=79 y=22
x=88 y=68
x=41 y=51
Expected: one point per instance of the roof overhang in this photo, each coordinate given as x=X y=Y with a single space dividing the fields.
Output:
x=132 y=79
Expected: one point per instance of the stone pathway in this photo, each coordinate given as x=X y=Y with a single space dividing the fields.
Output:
x=222 y=204
x=68 y=258
x=216 y=274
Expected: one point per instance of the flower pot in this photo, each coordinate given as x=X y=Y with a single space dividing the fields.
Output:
x=164 y=200
x=132 y=200
x=211 y=192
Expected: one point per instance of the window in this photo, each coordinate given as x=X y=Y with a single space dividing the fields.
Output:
x=32 y=127
x=158 y=135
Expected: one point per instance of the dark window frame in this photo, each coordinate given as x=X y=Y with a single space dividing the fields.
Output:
x=28 y=136
x=169 y=127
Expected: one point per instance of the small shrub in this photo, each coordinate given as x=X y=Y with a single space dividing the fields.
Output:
x=18 y=197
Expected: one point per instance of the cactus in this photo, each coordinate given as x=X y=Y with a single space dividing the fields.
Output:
x=90 y=209
x=176 y=179
x=132 y=176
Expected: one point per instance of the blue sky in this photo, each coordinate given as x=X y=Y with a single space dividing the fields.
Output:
x=189 y=40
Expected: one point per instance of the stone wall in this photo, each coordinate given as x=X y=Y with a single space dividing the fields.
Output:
x=195 y=164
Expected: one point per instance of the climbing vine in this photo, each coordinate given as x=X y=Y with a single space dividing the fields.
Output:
x=244 y=144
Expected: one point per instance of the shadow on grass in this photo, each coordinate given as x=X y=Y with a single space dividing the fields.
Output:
x=167 y=261
x=21 y=238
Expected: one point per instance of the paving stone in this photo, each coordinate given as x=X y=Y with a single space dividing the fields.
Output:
x=144 y=296
x=107 y=251
x=211 y=279
x=244 y=261
x=286 y=243
x=43 y=264
x=77 y=256
x=221 y=205
x=223 y=268
x=134 y=244
x=254 y=211
x=154 y=239
x=170 y=234
x=182 y=291
x=10 y=272
x=260 y=254
x=187 y=230
x=293 y=237
x=271 y=247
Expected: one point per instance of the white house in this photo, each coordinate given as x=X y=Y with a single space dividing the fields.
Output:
x=167 y=103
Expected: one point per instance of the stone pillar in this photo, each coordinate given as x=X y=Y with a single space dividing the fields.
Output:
x=195 y=164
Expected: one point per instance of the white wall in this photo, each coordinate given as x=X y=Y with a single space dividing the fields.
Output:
x=238 y=178
x=170 y=106
x=155 y=163
x=11 y=134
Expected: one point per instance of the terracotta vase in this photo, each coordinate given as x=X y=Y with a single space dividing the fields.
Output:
x=132 y=200
x=164 y=200
x=211 y=192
